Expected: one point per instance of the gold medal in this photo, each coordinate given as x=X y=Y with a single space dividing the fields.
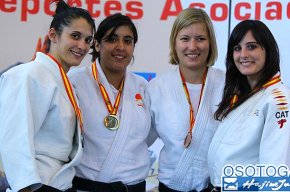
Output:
x=187 y=139
x=111 y=122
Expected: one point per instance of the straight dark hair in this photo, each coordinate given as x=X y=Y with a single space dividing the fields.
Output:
x=237 y=83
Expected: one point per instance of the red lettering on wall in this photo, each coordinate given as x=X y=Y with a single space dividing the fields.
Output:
x=4 y=5
x=288 y=10
x=237 y=11
x=167 y=11
x=134 y=7
x=112 y=7
x=275 y=13
x=271 y=10
x=258 y=11
x=47 y=8
x=25 y=9
x=74 y=3
x=197 y=5
x=224 y=12
x=91 y=9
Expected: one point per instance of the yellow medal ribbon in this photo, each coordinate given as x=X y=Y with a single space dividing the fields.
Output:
x=111 y=109
x=272 y=81
x=69 y=92
x=188 y=137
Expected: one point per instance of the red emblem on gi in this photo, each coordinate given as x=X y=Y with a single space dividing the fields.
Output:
x=281 y=122
x=139 y=101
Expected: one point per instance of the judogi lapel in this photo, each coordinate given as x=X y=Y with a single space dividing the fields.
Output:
x=122 y=132
x=198 y=130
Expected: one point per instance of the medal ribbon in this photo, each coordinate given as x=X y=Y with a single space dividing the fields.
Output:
x=112 y=110
x=191 y=114
x=69 y=92
x=272 y=81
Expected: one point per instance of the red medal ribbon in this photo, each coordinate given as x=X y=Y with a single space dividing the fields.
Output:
x=191 y=115
x=69 y=92
x=112 y=110
x=272 y=81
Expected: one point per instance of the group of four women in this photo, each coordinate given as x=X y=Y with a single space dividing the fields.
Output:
x=101 y=118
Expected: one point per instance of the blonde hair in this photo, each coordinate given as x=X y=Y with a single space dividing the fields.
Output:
x=184 y=19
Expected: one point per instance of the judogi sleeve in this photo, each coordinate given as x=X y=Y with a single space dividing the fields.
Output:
x=152 y=136
x=275 y=141
x=23 y=107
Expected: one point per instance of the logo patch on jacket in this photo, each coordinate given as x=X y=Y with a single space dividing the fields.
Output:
x=282 y=107
x=139 y=100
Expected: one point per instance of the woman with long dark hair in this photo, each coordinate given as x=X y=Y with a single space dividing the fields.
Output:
x=255 y=125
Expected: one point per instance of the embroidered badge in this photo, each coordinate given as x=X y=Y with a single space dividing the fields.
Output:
x=139 y=100
x=282 y=107
x=256 y=113
x=281 y=122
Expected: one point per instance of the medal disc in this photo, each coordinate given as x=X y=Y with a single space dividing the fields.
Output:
x=111 y=122
x=187 y=140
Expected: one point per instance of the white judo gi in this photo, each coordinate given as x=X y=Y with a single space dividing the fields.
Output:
x=39 y=136
x=256 y=132
x=120 y=155
x=181 y=168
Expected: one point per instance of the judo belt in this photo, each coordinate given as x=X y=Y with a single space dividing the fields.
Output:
x=46 y=188
x=163 y=188
x=96 y=186
x=215 y=189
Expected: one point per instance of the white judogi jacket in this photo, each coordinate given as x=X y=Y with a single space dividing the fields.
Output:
x=39 y=138
x=120 y=155
x=256 y=132
x=181 y=168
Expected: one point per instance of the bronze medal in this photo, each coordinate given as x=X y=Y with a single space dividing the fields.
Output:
x=187 y=140
x=111 y=122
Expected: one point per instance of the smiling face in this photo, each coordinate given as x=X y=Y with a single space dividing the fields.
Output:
x=192 y=46
x=70 y=47
x=249 y=58
x=116 y=51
